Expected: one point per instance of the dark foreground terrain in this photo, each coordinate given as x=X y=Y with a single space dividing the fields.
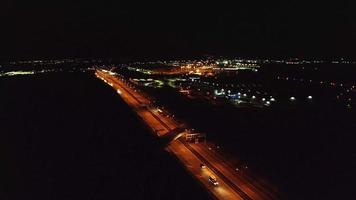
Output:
x=68 y=136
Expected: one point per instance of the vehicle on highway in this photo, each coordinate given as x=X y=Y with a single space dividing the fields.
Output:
x=202 y=166
x=213 y=181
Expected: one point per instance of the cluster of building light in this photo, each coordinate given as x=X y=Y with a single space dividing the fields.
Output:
x=56 y=61
x=221 y=61
x=16 y=73
x=141 y=70
x=148 y=82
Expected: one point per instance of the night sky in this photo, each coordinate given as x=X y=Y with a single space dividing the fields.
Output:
x=56 y=29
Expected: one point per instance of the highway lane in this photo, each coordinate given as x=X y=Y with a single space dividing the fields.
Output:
x=255 y=191
x=231 y=174
x=166 y=120
x=141 y=106
x=192 y=164
x=231 y=186
x=136 y=102
x=218 y=164
x=190 y=161
x=243 y=176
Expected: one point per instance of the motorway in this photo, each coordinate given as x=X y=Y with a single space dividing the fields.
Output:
x=231 y=184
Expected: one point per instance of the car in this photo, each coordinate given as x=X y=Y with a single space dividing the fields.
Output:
x=202 y=166
x=213 y=181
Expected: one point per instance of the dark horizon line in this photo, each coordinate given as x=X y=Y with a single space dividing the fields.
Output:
x=171 y=58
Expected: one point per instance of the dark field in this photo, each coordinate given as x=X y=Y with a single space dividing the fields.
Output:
x=68 y=136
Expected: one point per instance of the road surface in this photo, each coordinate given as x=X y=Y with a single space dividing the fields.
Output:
x=231 y=184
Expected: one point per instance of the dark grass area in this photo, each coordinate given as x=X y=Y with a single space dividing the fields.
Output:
x=69 y=136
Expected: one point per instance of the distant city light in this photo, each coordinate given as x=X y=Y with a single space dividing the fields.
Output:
x=292 y=98
x=14 y=73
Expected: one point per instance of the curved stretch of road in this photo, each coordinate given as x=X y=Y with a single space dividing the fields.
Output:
x=231 y=184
